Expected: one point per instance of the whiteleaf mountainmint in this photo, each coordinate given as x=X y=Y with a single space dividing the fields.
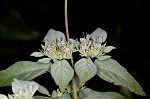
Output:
x=56 y=57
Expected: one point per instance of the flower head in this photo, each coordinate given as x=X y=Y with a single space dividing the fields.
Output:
x=56 y=46
x=58 y=50
x=22 y=90
x=90 y=47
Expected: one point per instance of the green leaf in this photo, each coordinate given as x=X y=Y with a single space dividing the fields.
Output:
x=37 y=54
x=53 y=36
x=43 y=90
x=91 y=94
x=62 y=73
x=65 y=96
x=85 y=69
x=99 y=34
x=42 y=97
x=44 y=60
x=23 y=70
x=103 y=57
x=107 y=49
x=73 y=44
x=111 y=71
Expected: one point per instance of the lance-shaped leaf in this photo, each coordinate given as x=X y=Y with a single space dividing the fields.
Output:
x=111 y=71
x=107 y=49
x=99 y=35
x=85 y=69
x=43 y=90
x=53 y=36
x=91 y=94
x=44 y=60
x=42 y=97
x=62 y=73
x=37 y=54
x=23 y=70
x=103 y=57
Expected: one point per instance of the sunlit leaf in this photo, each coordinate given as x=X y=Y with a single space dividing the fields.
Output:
x=111 y=71
x=85 y=69
x=62 y=73
x=91 y=94
x=23 y=70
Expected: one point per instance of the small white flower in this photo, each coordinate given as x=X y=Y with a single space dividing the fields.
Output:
x=82 y=39
x=97 y=45
x=67 y=50
x=88 y=37
x=49 y=47
x=85 y=46
x=91 y=47
x=63 y=42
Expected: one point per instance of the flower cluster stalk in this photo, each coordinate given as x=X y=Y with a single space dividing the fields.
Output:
x=74 y=87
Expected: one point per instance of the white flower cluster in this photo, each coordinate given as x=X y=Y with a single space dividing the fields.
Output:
x=59 y=50
x=56 y=46
x=56 y=94
x=22 y=90
x=90 y=47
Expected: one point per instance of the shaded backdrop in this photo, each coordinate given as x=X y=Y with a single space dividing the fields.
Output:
x=24 y=23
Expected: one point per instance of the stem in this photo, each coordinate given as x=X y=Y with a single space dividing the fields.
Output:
x=66 y=20
x=74 y=87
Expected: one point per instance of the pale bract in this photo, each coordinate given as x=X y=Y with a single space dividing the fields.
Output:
x=22 y=90
x=3 y=96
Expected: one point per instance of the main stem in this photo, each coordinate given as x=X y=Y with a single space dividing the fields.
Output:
x=66 y=20
x=74 y=87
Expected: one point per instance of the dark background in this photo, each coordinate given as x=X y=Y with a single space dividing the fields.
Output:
x=24 y=23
